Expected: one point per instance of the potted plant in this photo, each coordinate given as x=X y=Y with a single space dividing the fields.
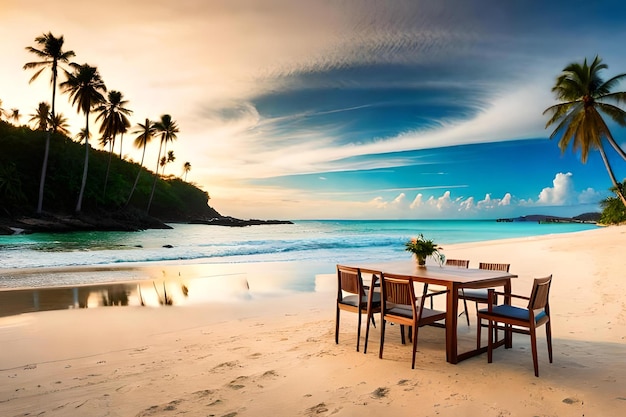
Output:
x=422 y=248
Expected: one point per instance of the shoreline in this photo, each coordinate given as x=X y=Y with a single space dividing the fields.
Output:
x=275 y=353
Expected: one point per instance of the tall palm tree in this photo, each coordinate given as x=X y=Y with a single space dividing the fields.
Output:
x=114 y=122
x=41 y=118
x=186 y=169
x=167 y=129
x=2 y=111
x=86 y=88
x=146 y=132
x=50 y=51
x=584 y=95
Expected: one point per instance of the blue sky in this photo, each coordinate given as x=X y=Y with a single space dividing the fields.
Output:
x=349 y=109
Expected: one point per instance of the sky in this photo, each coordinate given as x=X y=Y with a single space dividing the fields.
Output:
x=312 y=109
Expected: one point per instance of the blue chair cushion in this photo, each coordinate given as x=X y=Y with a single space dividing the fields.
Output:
x=505 y=310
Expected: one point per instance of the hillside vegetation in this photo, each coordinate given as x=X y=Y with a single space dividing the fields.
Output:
x=21 y=156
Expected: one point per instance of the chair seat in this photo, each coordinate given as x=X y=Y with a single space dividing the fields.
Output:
x=474 y=294
x=353 y=300
x=508 y=311
x=403 y=310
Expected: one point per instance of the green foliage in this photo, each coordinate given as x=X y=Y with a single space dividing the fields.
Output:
x=21 y=153
x=422 y=248
x=613 y=210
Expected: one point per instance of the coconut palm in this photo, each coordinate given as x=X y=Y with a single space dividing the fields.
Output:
x=146 y=132
x=584 y=95
x=114 y=122
x=167 y=129
x=86 y=88
x=15 y=116
x=50 y=51
x=186 y=169
x=114 y=116
x=166 y=160
x=82 y=135
x=2 y=111
x=60 y=124
x=41 y=118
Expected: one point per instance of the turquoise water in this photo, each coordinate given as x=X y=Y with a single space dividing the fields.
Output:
x=327 y=241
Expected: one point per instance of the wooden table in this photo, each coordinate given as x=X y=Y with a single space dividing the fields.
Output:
x=453 y=279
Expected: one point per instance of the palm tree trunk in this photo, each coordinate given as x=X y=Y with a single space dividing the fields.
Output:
x=156 y=176
x=138 y=174
x=106 y=177
x=618 y=189
x=121 y=143
x=617 y=148
x=79 y=204
x=44 y=168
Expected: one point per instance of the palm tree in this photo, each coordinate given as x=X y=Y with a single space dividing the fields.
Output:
x=82 y=135
x=86 y=88
x=114 y=122
x=584 y=95
x=51 y=53
x=60 y=124
x=186 y=169
x=2 y=111
x=146 y=132
x=15 y=116
x=41 y=117
x=168 y=129
x=164 y=161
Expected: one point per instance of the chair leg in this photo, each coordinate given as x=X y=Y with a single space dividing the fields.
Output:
x=533 y=345
x=549 y=339
x=382 y=338
x=370 y=317
x=337 y=328
x=478 y=335
x=490 y=343
x=464 y=307
x=358 y=332
x=402 y=334
x=414 y=346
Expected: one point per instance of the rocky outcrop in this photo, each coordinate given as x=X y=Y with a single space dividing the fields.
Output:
x=233 y=222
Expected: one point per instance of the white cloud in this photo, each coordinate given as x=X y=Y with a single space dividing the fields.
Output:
x=417 y=202
x=561 y=193
x=590 y=196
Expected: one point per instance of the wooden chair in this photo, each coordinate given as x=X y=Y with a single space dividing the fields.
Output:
x=401 y=306
x=355 y=297
x=526 y=320
x=479 y=296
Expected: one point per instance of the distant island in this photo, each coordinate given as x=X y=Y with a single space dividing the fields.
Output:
x=591 y=218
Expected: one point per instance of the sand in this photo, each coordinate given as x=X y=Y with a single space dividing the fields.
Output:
x=275 y=354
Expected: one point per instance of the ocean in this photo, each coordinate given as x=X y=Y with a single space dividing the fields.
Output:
x=320 y=243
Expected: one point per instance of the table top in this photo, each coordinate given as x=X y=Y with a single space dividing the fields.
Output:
x=439 y=274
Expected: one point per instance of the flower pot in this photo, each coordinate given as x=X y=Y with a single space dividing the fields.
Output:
x=421 y=261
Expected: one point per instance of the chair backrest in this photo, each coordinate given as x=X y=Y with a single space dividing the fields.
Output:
x=461 y=263
x=494 y=267
x=540 y=293
x=397 y=289
x=349 y=280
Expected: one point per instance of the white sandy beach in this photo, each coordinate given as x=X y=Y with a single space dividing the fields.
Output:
x=276 y=355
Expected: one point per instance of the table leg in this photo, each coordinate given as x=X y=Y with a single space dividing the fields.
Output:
x=451 y=323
